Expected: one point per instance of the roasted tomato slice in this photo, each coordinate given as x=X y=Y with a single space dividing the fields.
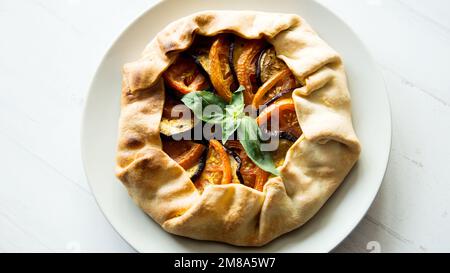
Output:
x=184 y=76
x=220 y=70
x=246 y=57
x=284 y=110
x=185 y=152
x=252 y=175
x=217 y=169
x=282 y=83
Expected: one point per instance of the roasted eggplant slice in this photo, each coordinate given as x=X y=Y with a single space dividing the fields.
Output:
x=269 y=64
x=288 y=136
x=175 y=120
x=258 y=67
x=277 y=79
x=231 y=54
x=171 y=127
x=279 y=83
x=196 y=170
x=251 y=175
x=286 y=93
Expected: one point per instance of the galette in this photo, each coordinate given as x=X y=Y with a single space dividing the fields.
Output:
x=235 y=126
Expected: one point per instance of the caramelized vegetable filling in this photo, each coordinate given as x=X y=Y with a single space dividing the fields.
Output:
x=252 y=175
x=246 y=56
x=185 y=152
x=284 y=110
x=217 y=168
x=223 y=63
x=220 y=71
x=176 y=117
x=184 y=76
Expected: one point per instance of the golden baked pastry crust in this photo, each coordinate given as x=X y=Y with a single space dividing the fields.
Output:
x=314 y=167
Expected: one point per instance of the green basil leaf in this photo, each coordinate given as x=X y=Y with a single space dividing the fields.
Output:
x=249 y=133
x=233 y=113
x=237 y=100
x=199 y=100
x=209 y=98
x=228 y=128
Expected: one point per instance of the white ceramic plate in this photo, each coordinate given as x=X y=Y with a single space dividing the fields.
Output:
x=371 y=116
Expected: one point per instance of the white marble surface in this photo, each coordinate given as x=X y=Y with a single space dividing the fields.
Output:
x=49 y=50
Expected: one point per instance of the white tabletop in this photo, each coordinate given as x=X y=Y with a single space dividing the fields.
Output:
x=49 y=50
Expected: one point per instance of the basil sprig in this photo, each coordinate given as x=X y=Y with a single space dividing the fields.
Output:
x=249 y=135
x=231 y=117
x=233 y=114
x=206 y=106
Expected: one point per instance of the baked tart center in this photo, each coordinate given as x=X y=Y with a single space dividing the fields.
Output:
x=241 y=93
